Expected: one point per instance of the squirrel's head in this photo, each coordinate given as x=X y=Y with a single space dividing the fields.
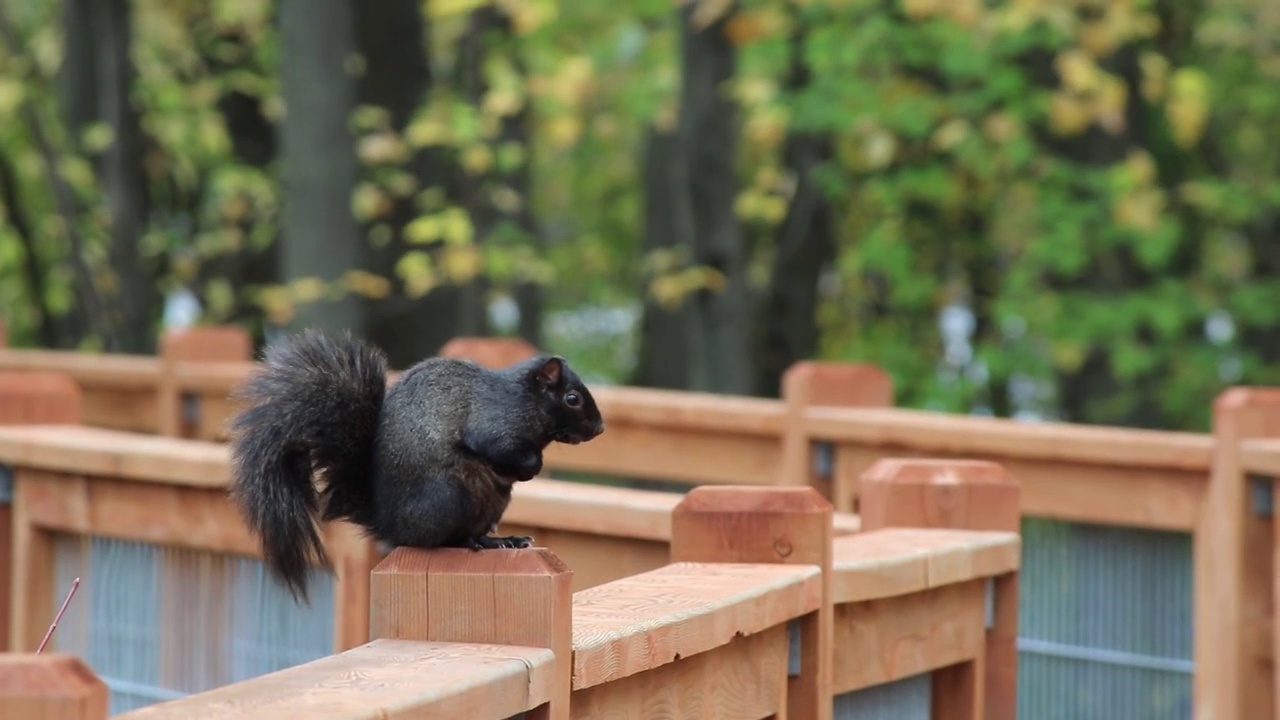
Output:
x=566 y=400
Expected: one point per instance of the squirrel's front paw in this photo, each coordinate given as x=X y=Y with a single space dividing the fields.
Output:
x=514 y=542
x=507 y=542
x=529 y=466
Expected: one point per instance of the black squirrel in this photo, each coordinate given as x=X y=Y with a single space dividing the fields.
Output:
x=428 y=462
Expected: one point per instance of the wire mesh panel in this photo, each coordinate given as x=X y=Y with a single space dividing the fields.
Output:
x=1105 y=623
x=905 y=699
x=158 y=623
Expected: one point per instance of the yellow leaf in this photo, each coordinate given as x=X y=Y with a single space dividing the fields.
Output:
x=423 y=230
x=1068 y=355
x=1154 y=69
x=564 y=130
x=1078 y=71
x=367 y=284
x=417 y=272
x=1001 y=127
x=461 y=262
x=219 y=296
x=276 y=304
x=879 y=149
x=667 y=290
x=1097 y=38
x=950 y=134
x=382 y=148
x=767 y=126
x=11 y=96
x=368 y=201
x=1067 y=114
x=1139 y=209
x=966 y=13
x=1110 y=102
x=921 y=9
x=749 y=26
x=440 y=9
x=755 y=90
x=427 y=131
x=1188 y=105
x=455 y=226
x=707 y=12
x=477 y=158
x=502 y=101
x=307 y=289
x=1139 y=168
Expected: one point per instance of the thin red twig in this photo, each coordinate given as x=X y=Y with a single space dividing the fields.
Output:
x=74 y=584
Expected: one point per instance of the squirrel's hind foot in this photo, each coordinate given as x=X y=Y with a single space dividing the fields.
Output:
x=501 y=542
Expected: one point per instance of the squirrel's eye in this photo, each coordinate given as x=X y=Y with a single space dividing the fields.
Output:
x=572 y=399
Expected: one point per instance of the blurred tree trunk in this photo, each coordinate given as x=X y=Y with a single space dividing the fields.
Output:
x=78 y=101
x=320 y=237
x=254 y=143
x=135 y=298
x=663 y=360
x=1089 y=393
x=718 y=332
x=96 y=85
x=787 y=318
x=397 y=77
x=497 y=198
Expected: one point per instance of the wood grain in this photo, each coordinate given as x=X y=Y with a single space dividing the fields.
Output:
x=1235 y=673
x=646 y=621
x=517 y=597
x=49 y=686
x=112 y=453
x=879 y=641
x=1261 y=457
x=744 y=678
x=898 y=561
x=381 y=680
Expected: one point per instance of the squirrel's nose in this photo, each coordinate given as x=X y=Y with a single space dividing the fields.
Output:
x=598 y=429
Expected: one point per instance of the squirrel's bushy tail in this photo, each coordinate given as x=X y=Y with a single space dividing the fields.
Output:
x=313 y=405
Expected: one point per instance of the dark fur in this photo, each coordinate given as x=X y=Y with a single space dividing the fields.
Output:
x=429 y=462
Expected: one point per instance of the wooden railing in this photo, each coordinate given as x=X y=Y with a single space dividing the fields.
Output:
x=167 y=491
x=760 y=614
x=830 y=426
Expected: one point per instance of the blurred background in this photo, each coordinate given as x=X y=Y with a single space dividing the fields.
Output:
x=1051 y=209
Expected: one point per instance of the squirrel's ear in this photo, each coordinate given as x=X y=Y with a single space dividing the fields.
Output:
x=551 y=370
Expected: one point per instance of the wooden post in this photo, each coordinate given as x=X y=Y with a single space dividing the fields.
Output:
x=491 y=352
x=1233 y=568
x=783 y=525
x=49 y=686
x=807 y=384
x=27 y=398
x=508 y=597
x=215 y=343
x=959 y=495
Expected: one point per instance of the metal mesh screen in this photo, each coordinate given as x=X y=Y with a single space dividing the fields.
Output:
x=158 y=623
x=905 y=699
x=1105 y=623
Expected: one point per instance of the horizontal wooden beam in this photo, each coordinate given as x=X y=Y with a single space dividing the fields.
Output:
x=973 y=436
x=381 y=679
x=116 y=454
x=1260 y=457
x=882 y=640
x=898 y=561
x=645 y=621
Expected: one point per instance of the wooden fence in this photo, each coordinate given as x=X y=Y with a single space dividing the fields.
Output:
x=830 y=426
x=761 y=613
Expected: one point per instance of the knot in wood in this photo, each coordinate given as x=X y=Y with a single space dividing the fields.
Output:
x=782 y=547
